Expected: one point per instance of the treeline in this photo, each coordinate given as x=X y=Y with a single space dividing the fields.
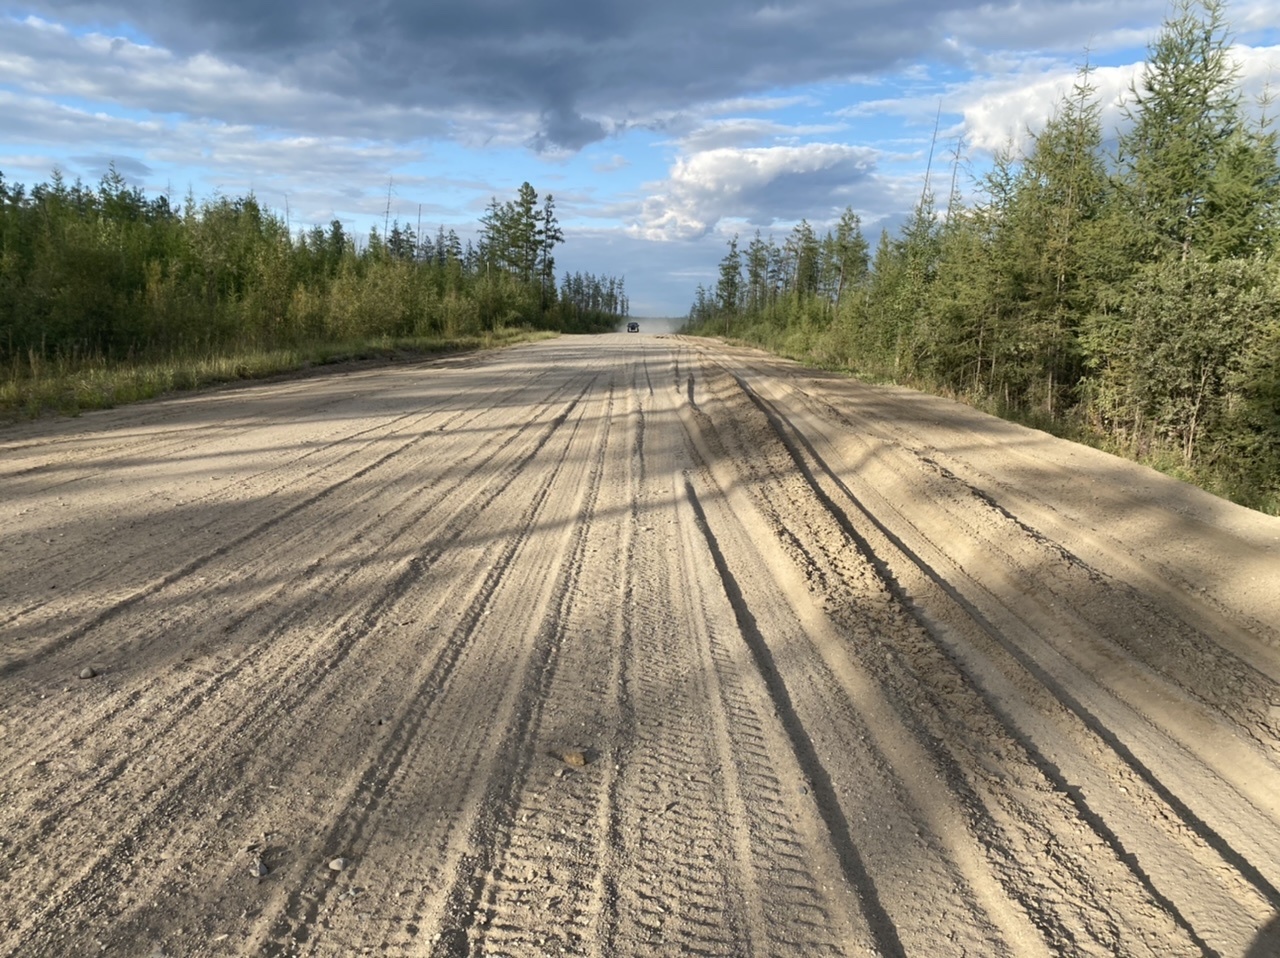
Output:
x=1130 y=294
x=113 y=274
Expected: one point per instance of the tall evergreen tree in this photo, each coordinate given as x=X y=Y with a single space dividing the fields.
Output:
x=850 y=254
x=549 y=236
x=757 y=265
x=1185 y=117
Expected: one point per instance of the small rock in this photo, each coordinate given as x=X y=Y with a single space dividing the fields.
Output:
x=88 y=672
x=338 y=864
x=258 y=869
x=575 y=757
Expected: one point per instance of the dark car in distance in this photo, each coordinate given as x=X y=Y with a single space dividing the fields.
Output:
x=633 y=327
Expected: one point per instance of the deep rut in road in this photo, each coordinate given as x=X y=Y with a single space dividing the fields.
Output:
x=625 y=645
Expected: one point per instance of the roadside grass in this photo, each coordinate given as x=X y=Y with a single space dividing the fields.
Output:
x=69 y=386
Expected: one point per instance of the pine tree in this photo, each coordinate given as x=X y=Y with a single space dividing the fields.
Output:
x=1060 y=201
x=523 y=238
x=757 y=264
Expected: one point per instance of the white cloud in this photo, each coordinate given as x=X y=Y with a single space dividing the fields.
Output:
x=48 y=123
x=1012 y=96
x=1063 y=26
x=611 y=164
x=760 y=185
x=758 y=104
x=747 y=131
x=999 y=111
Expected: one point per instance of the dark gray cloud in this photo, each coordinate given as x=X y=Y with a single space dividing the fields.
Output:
x=577 y=69
x=562 y=128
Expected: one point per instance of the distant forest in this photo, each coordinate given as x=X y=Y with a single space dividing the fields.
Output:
x=108 y=274
x=1129 y=295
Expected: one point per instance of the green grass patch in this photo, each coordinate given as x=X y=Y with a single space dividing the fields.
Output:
x=69 y=386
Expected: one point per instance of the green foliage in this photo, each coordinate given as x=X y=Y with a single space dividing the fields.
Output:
x=1133 y=301
x=1192 y=174
x=95 y=277
x=729 y=286
x=1175 y=374
x=1246 y=451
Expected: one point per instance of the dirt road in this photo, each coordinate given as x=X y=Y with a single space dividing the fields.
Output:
x=625 y=646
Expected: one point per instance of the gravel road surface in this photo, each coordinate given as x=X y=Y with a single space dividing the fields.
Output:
x=625 y=645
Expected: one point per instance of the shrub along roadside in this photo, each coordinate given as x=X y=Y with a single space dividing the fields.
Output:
x=108 y=296
x=1129 y=296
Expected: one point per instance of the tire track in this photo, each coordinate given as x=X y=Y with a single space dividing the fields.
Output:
x=465 y=769
x=706 y=589
x=463 y=474
x=883 y=928
x=490 y=892
x=1103 y=824
x=168 y=804
x=878 y=628
x=797 y=896
x=289 y=478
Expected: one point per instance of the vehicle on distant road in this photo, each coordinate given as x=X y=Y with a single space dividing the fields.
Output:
x=633 y=327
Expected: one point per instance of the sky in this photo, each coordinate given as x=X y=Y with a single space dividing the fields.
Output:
x=661 y=129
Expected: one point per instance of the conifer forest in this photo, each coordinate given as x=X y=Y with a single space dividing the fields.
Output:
x=1117 y=285
x=110 y=274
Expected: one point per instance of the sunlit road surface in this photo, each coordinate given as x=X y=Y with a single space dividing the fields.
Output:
x=624 y=645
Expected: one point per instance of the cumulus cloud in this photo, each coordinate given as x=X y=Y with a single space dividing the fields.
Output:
x=760 y=185
x=1004 y=110
x=1012 y=98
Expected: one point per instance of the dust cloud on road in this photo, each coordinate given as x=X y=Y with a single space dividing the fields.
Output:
x=621 y=646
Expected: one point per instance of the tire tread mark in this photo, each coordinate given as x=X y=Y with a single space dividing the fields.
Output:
x=793 y=440
x=301 y=912
x=176 y=711
x=827 y=801
x=474 y=872
x=379 y=427
x=50 y=648
x=172 y=800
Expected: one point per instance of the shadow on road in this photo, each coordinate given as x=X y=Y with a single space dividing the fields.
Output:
x=1267 y=944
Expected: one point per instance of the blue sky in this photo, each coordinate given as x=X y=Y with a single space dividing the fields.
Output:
x=660 y=129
